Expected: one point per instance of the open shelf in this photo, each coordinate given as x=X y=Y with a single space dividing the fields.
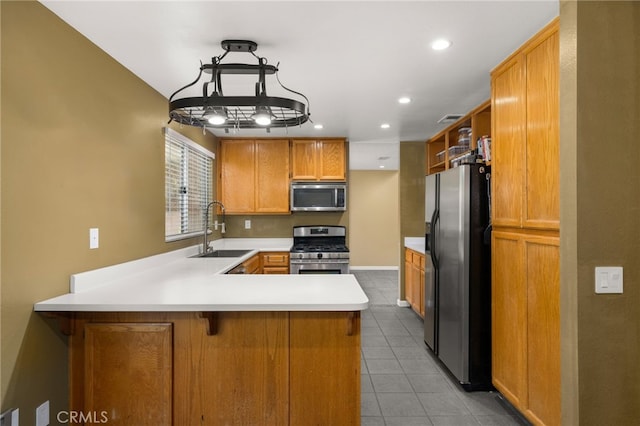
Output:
x=478 y=119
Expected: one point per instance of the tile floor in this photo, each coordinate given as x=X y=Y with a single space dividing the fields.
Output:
x=402 y=382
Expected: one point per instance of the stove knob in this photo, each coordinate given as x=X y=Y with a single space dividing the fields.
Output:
x=319 y=255
x=300 y=256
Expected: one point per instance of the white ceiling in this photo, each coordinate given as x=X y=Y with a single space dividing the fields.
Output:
x=352 y=59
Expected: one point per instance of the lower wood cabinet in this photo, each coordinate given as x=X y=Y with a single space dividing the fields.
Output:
x=252 y=265
x=275 y=262
x=324 y=363
x=114 y=353
x=216 y=368
x=526 y=323
x=414 y=280
x=239 y=374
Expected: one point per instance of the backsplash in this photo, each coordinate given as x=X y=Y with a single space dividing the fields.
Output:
x=280 y=226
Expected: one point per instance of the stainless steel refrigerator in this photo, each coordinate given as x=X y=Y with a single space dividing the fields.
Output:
x=458 y=273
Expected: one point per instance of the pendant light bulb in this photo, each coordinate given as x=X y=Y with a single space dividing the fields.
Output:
x=217 y=119
x=262 y=117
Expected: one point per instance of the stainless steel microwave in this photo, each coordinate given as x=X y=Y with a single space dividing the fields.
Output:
x=318 y=196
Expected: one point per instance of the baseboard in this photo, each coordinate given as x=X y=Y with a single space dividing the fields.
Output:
x=373 y=268
x=403 y=303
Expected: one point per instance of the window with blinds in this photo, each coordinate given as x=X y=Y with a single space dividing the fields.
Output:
x=188 y=185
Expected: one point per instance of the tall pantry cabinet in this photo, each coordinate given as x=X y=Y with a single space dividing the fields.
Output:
x=526 y=226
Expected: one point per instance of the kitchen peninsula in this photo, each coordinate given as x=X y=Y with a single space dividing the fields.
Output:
x=172 y=339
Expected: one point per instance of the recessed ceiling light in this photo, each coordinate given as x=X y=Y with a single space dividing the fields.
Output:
x=385 y=126
x=404 y=100
x=440 y=44
x=318 y=126
x=381 y=166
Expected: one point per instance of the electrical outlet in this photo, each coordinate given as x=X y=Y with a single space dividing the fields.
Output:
x=94 y=237
x=247 y=224
x=42 y=414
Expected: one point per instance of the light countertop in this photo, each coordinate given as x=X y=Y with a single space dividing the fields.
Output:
x=175 y=282
x=415 y=243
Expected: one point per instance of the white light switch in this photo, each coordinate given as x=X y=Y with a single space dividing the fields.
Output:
x=93 y=238
x=609 y=279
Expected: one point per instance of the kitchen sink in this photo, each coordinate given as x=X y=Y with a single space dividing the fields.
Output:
x=223 y=253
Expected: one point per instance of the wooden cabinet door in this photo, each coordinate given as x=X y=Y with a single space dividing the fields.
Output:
x=414 y=281
x=332 y=159
x=408 y=278
x=252 y=265
x=542 y=195
x=128 y=372
x=303 y=160
x=242 y=370
x=543 y=329
x=318 y=160
x=509 y=317
x=325 y=368
x=526 y=323
x=415 y=287
x=272 y=176
x=237 y=175
x=508 y=117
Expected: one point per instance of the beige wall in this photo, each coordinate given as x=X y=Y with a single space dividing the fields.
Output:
x=374 y=223
x=82 y=146
x=600 y=210
x=412 y=173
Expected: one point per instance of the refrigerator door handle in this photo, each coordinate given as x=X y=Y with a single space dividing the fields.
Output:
x=434 y=220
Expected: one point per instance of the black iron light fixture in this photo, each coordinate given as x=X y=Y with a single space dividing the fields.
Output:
x=215 y=110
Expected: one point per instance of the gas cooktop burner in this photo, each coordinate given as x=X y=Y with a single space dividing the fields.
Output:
x=307 y=248
x=320 y=240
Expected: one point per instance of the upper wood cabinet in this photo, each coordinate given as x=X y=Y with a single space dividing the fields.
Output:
x=315 y=160
x=237 y=175
x=254 y=175
x=525 y=117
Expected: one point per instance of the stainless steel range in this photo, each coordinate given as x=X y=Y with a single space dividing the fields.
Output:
x=319 y=250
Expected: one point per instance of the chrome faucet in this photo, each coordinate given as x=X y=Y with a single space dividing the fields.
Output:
x=205 y=242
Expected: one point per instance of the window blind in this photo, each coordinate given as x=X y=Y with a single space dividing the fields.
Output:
x=188 y=186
